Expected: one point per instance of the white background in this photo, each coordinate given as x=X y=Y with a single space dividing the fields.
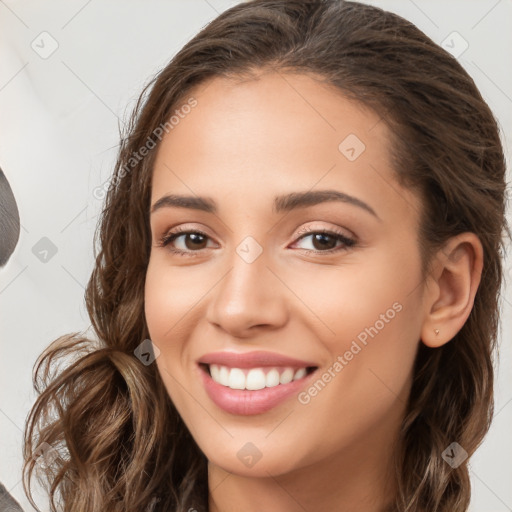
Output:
x=59 y=121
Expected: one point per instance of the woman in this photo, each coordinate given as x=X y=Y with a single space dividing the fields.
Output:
x=296 y=290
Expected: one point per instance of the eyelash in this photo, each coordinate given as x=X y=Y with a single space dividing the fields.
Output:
x=169 y=237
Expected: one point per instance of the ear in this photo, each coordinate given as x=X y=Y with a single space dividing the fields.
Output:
x=451 y=288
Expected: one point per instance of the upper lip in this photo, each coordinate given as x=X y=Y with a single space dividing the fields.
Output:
x=254 y=359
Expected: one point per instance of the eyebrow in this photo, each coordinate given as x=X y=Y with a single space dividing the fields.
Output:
x=284 y=203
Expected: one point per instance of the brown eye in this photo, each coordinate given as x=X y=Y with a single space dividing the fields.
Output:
x=323 y=241
x=194 y=241
x=326 y=241
x=187 y=241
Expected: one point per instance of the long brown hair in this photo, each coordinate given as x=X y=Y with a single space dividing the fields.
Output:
x=118 y=443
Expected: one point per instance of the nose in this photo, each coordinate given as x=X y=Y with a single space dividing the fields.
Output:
x=248 y=299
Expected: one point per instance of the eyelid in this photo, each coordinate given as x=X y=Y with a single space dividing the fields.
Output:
x=184 y=228
x=332 y=229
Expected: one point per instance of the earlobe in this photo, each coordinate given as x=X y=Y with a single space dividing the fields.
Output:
x=457 y=274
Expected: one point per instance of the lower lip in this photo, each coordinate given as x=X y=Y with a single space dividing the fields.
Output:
x=245 y=402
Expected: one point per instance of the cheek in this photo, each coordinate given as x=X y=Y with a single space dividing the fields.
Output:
x=156 y=303
x=370 y=326
x=375 y=298
x=164 y=307
x=364 y=385
x=170 y=296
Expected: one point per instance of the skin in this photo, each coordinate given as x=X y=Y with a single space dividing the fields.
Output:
x=243 y=144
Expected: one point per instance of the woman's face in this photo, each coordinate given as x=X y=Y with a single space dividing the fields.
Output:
x=260 y=296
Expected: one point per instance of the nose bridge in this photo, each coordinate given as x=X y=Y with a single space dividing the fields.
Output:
x=246 y=296
x=248 y=279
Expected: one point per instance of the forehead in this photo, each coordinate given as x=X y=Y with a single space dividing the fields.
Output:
x=272 y=134
x=279 y=106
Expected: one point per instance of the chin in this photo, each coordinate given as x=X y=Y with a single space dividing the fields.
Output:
x=248 y=459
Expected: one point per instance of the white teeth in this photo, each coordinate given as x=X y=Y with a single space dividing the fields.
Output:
x=286 y=377
x=301 y=372
x=223 y=376
x=215 y=371
x=272 y=378
x=236 y=379
x=256 y=378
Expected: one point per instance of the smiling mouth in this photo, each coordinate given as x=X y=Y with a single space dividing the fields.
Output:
x=253 y=379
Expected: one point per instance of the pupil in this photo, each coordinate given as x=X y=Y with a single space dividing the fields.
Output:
x=196 y=239
x=321 y=237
